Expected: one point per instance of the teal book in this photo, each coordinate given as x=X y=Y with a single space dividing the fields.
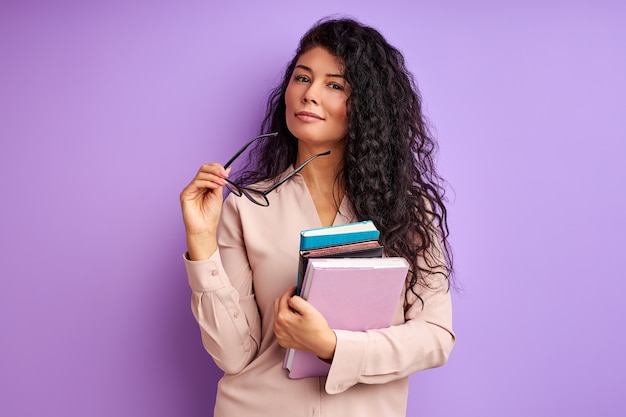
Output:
x=338 y=235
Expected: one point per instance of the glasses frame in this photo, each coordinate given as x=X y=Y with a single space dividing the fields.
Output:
x=239 y=190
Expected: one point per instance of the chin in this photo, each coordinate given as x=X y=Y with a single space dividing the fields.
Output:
x=308 y=134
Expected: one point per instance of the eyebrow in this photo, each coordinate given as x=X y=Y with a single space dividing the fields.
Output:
x=304 y=67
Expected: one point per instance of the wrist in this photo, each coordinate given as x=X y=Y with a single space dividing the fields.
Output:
x=327 y=352
x=201 y=246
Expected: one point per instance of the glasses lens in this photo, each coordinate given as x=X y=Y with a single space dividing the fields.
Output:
x=233 y=188
x=255 y=196
x=241 y=165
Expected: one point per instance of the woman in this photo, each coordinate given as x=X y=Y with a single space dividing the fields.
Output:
x=346 y=91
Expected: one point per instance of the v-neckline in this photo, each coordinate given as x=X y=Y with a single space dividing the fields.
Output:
x=343 y=215
x=343 y=211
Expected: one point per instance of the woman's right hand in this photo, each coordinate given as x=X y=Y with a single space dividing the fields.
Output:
x=201 y=204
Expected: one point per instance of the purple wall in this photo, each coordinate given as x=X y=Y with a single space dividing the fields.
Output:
x=107 y=110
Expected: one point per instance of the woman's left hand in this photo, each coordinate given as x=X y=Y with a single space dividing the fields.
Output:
x=298 y=325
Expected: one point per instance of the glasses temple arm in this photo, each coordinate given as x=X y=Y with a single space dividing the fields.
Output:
x=231 y=160
x=294 y=172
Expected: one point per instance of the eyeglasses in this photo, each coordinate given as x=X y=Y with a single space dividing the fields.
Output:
x=259 y=197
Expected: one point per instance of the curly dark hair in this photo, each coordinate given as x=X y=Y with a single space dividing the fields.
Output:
x=388 y=170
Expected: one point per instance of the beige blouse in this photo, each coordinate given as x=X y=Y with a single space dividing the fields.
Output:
x=232 y=299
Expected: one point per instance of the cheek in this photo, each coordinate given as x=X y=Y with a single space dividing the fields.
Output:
x=290 y=97
x=344 y=114
x=340 y=108
x=290 y=108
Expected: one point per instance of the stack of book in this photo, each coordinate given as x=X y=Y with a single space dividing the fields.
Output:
x=343 y=275
x=353 y=240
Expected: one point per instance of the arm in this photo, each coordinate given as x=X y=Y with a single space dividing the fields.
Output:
x=421 y=338
x=229 y=319
x=222 y=302
x=423 y=341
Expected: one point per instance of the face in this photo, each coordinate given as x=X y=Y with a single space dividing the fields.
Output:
x=316 y=99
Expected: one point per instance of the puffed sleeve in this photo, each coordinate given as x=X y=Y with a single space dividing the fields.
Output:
x=222 y=299
x=424 y=340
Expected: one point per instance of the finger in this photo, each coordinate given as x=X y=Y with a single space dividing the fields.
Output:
x=216 y=173
x=290 y=291
x=301 y=305
x=276 y=308
x=280 y=323
x=210 y=175
x=281 y=311
x=203 y=176
x=286 y=299
x=283 y=302
x=214 y=168
x=198 y=189
x=212 y=183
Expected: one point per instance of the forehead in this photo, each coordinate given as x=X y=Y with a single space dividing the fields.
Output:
x=320 y=60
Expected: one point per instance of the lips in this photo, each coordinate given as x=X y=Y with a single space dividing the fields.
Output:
x=308 y=116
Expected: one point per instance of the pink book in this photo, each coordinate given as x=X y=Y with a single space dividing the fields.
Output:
x=353 y=294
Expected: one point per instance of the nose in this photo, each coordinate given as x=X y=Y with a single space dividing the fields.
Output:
x=308 y=97
x=311 y=94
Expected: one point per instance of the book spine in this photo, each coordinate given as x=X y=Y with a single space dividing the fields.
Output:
x=369 y=252
x=312 y=242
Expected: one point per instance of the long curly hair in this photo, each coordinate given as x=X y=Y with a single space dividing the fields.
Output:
x=388 y=170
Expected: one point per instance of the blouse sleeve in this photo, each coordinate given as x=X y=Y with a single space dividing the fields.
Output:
x=222 y=299
x=423 y=341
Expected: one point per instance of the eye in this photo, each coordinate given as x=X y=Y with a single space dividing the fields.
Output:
x=336 y=86
x=301 y=78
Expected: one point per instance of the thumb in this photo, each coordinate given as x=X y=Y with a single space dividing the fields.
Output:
x=300 y=305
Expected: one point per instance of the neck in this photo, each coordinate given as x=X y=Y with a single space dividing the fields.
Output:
x=320 y=174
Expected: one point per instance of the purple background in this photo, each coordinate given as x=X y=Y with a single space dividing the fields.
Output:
x=108 y=108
